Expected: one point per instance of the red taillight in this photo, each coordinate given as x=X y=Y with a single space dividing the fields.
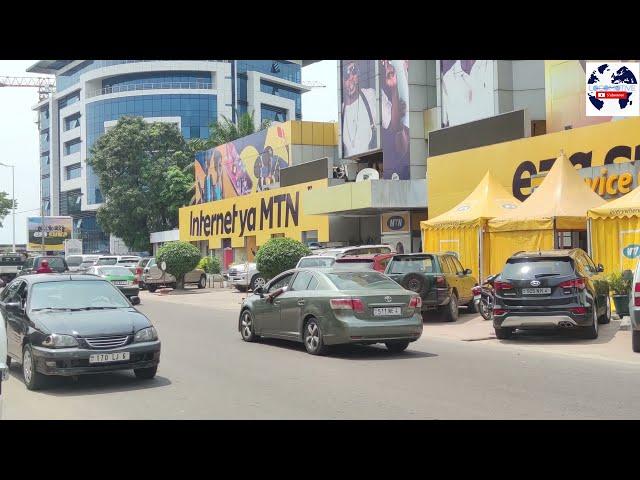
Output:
x=578 y=283
x=499 y=311
x=579 y=310
x=476 y=290
x=355 y=304
x=139 y=271
x=503 y=286
x=440 y=280
x=415 y=302
x=636 y=294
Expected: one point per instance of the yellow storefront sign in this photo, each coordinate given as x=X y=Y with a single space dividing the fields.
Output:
x=453 y=176
x=262 y=214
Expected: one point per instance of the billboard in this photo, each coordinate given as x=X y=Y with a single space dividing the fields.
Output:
x=56 y=230
x=394 y=112
x=466 y=91
x=249 y=164
x=359 y=115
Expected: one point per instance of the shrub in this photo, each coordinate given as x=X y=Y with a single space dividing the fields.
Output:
x=619 y=284
x=278 y=255
x=180 y=257
x=210 y=265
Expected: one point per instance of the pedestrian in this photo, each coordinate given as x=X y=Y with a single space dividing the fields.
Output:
x=44 y=267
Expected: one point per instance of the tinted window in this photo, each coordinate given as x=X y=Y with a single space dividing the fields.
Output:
x=361 y=281
x=588 y=263
x=301 y=281
x=313 y=284
x=528 y=269
x=11 y=260
x=8 y=292
x=411 y=264
x=281 y=282
x=107 y=261
x=457 y=264
x=74 y=260
x=447 y=265
x=76 y=294
x=316 y=262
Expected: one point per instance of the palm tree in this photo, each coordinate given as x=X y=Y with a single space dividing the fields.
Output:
x=224 y=131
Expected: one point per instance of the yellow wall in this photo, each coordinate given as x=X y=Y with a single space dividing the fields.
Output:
x=249 y=219
x=609 y=237
x=453 y=176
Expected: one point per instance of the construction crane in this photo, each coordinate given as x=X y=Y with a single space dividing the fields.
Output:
x=45 y=85
x=313 y=84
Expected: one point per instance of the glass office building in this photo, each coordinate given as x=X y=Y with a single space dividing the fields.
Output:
x=92 y=94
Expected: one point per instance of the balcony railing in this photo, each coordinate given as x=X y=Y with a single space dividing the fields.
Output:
x=152 y=86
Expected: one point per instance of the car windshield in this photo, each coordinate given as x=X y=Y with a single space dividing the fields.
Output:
x=316 y=262
x=361 y=281
x=77 y=295
x=74 y=261
x=107 y=261
x=115 y=271
x=529 y=269
x=411 y=264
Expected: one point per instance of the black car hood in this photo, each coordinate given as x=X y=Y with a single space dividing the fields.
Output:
x=87 y=323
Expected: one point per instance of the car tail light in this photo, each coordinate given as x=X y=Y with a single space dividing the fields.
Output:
x=578 y=283
x=636 y=295
x=440 y=281
x=135 y=281
x=499 y=311
x=476 y=290
x=139 y=271
x=415 y=302
x=354 y=304
x=579 y=310
x=499 y=286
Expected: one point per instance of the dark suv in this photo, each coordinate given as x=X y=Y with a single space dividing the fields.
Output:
x=440 y=279
x=551 y=289
x=57 y=263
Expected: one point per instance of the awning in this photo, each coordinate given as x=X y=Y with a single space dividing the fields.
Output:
x=626 y=206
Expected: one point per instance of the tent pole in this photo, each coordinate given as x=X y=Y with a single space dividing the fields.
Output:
x=555 y=235
x=589 y=249
x=480 y=254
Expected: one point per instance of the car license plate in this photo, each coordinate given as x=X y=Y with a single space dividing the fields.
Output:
x=120 y=282
x=536 y=291
x=386 y=311
x=109 y=357
x=477 y=297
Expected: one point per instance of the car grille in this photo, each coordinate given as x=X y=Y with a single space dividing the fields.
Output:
x=232 y=272
x=107 y=342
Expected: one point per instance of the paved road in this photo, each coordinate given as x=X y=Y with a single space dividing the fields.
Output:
x=208 y=372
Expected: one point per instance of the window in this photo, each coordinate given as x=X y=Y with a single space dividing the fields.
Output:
x=72 y=146
x=301 y=281
x=73 y=171
x=70 y=294
x=411 y=264
x=279 y=283
x=457 y=265
x=313 y=284
x=69 y=100
x=361 y=281
x=269 y=112
x=589 y=264
x=447 y=265
x=529 y=269
x=72 y=121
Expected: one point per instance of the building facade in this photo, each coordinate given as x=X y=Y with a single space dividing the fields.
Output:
x=92 y=94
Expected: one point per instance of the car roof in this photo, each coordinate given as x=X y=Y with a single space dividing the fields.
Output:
x=546 y=253
x=56 y=277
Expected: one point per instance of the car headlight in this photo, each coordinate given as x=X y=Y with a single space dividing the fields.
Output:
x=59 y=341
x=146 y=335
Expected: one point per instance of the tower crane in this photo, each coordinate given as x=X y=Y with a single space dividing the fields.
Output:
x=313 y=84
x=45 y=85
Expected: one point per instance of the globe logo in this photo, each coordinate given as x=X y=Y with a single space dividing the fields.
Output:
x=612 y=89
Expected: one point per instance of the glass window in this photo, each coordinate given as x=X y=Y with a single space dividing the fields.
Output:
x=72 y=146
x=529 y=269
x=73 y=171
x=279 y=283
x=57 y=264
x=119 y=271
x=447 y=264
x=317 y=262
x=411 y=264
x=362 y=281
x=589 y=264
x=301 y=281
x=72 y=121
x=76 y=295
x=269 y=112
x=457 y=265
x=313 y=284
x=107 y=261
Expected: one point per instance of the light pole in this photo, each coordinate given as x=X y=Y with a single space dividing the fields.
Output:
x=13 y=195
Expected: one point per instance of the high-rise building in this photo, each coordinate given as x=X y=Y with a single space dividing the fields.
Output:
x=92 y=94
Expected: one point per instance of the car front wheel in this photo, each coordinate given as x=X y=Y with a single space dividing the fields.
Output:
x=146 y=373
x=203 y=282
x=32 y=379
x=247 y=327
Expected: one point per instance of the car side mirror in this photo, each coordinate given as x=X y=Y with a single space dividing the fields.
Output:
x=19 y=267
x=259 y=291
x=600 y=268
x=135 y=301
x=467 y=271
x=13 y=307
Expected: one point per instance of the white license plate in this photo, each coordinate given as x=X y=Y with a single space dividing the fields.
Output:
x=121 y=283
x=536 y=291
x=109 y=357
x=386 y=311
x=477 y=297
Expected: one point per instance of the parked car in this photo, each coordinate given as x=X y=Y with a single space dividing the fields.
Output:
x=78 y=263
x=321 y=261
x=376 y=261
x=139 y=272
x=4 y=369
x=74 y=325
x=153 y=277
x=551 y=289
x=354 y=250
x=245 y=276
x=127 y=261
x=439 y=278
x=320 y=307
x=120 y=277
x=57 y=263
x=634 y=308
x=10 y=265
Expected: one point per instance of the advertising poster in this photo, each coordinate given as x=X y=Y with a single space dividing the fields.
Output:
x=394 y=106
x=56 y=230
x=247 y=165
x=467 y=91
x=359 y=116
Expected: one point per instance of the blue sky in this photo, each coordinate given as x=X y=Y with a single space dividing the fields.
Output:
x=19 y=134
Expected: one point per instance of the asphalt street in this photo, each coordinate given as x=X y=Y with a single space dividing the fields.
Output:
x=208 y=372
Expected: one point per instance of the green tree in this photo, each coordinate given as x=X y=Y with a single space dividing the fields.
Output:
x=5 y=206
x=225 y=131
x=278 y=255
x=180 y=257
x=210 y=265
x=145 y=172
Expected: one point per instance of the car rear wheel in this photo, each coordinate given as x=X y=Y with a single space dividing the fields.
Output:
x=152 y=288
x=257 y=281
x=503 y=333
x=606 y=317
x=451 y=310
x=591 y=332
x=146 y=373
x=203 y=282
x=32 y=379
x=635 y=341
x=396 y=347
x=247 y=327
x=313 y=340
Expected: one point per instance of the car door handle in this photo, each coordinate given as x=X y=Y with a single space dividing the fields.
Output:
x=300 y=301
x=276 y=302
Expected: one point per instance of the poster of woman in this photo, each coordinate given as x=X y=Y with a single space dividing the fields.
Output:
x=394 y=101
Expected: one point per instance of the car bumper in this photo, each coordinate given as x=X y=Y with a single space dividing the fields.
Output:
x=436 y=299
x=374 y=331
x=534 y=320
x=75 y=361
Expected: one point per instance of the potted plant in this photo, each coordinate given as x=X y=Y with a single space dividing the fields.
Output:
x=620 y=285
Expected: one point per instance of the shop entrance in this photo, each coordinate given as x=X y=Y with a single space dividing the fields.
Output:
x=567 y=239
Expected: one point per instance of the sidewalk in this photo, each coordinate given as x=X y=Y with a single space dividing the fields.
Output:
x=214 y=298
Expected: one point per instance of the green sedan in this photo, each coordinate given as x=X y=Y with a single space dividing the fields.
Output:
x=324 y=307
x=120 y=277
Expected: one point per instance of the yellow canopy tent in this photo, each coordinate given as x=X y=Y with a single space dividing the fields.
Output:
x=614 y=231
x=462 y=229
x=560 y=203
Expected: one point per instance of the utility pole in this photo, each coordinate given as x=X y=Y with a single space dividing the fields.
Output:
x=13 y=200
